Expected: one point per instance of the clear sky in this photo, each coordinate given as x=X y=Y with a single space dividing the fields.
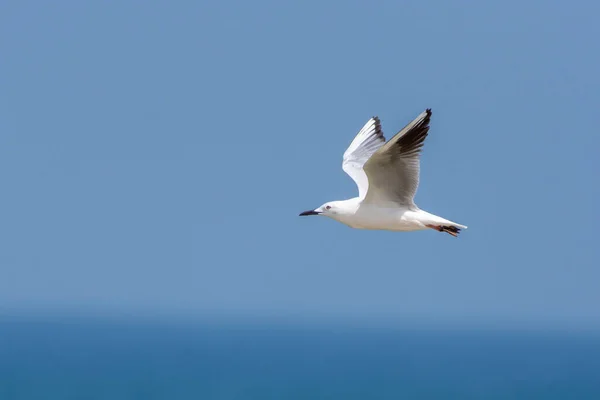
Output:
x=154 y=157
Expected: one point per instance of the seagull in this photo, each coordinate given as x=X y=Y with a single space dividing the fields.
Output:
x=387 y=177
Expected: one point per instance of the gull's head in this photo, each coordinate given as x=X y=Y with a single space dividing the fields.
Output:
x=328 y=210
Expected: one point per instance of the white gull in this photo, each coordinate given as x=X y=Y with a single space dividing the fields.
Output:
x=387 y=176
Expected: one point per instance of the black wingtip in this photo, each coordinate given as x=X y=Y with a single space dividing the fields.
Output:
x=378 y=130
x=428 y=117
x=411 y=140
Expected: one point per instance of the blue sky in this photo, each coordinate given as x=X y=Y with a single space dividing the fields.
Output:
x=154 y=158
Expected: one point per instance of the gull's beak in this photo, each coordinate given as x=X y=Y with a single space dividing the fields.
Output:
x=309 y=212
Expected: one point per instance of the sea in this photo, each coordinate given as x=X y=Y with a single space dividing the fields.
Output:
x=118 y=359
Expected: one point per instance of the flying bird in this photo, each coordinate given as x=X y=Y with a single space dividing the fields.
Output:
x=387 y=176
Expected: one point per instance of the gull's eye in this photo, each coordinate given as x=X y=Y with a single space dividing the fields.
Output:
x=328 y=207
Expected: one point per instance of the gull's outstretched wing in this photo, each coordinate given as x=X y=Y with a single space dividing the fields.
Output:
x=367 y=141
x=393 y=170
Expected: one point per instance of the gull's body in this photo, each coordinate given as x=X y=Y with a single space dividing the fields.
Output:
x=387 y=176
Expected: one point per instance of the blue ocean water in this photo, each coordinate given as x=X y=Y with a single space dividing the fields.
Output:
x=103 y=359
